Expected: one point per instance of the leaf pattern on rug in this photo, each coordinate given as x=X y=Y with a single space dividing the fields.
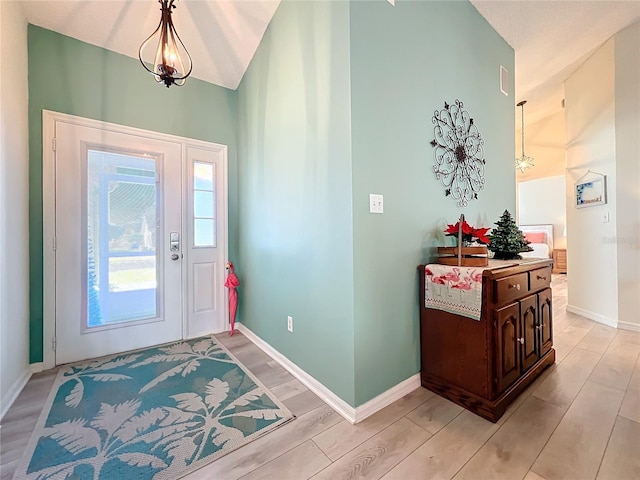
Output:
x=102 y=435
x=154 y=425
x=189 y=355
x=79 y=372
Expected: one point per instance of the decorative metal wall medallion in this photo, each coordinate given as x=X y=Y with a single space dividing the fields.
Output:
x=458 y=152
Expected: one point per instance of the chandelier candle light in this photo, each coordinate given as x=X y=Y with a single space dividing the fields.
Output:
x=168 y=64
x=523 y=162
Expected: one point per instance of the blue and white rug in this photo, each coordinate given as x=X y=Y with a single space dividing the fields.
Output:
x=158 y=413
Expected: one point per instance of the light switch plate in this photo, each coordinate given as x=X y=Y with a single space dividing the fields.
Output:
x=376 y=203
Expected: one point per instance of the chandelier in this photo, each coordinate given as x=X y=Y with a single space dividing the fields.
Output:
x=523 y=162
x=168 y=64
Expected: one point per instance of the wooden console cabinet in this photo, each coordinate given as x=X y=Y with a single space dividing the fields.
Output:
x=484 y=365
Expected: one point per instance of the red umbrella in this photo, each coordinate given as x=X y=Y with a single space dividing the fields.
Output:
x=231 y=283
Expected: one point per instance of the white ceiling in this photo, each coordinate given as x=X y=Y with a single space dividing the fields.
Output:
x=550 y=38
x=221 y=36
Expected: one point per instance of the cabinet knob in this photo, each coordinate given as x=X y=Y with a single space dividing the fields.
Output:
x=541 y=277
x=521 y=340
x=514 y=285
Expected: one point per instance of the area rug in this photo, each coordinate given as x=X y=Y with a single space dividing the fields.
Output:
x=158 y=414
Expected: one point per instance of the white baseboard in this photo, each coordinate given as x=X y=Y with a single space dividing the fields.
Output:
x=14 y=391
x=387 y=398
x=351 y=414
x=37 y=367
x=596 y=317
x=330 y=398
x=634 y=327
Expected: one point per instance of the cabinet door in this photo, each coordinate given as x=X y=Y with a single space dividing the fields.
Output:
x=545 y=326
x=507 y=346
x=528 y=340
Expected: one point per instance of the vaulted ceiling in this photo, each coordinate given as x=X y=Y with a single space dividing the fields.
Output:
x=551 y=38
x=221 y=36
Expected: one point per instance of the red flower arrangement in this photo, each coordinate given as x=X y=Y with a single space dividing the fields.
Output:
x=469 y=233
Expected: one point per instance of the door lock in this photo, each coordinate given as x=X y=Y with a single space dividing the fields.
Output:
x=174 y=242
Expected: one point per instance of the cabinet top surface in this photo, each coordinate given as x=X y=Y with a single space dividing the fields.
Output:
x=503 y=268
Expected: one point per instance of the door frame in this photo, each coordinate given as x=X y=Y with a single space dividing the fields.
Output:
x=49 y=119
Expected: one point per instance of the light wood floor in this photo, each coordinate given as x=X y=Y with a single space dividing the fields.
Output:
x=579 y=420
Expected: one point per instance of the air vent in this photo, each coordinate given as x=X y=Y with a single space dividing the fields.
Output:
x=504 y=80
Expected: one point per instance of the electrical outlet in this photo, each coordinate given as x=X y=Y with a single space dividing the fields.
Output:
x=290 y=324
x=376 y=204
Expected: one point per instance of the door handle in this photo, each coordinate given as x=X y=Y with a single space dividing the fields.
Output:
x=175 y=257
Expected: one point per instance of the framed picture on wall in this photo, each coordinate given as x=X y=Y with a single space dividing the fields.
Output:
x=591 y=191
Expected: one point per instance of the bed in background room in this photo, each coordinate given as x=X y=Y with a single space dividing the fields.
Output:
x=541 y=238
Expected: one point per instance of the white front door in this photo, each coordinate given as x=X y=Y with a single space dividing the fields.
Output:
x=138 y=240
x=206 y=301
x=118 y=242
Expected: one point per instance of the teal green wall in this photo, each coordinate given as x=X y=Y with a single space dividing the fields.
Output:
x=406 y=61
x=337 y=104
x=296 y=244
x=69 y=76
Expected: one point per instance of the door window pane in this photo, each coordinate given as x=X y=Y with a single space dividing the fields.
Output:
x=132 y=214
x=203 y=176
x=122 y=266
x=132 y=273
x=204 y=205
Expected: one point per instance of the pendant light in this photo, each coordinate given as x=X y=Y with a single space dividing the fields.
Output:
x=172 y=63
x=523 y=162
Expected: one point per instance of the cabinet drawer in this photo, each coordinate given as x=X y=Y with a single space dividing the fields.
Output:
x=539 y=278
x=511 y=288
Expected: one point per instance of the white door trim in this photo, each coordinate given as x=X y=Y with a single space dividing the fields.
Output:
x=49 y=119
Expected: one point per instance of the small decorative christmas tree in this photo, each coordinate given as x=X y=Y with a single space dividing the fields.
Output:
x=507 y=240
